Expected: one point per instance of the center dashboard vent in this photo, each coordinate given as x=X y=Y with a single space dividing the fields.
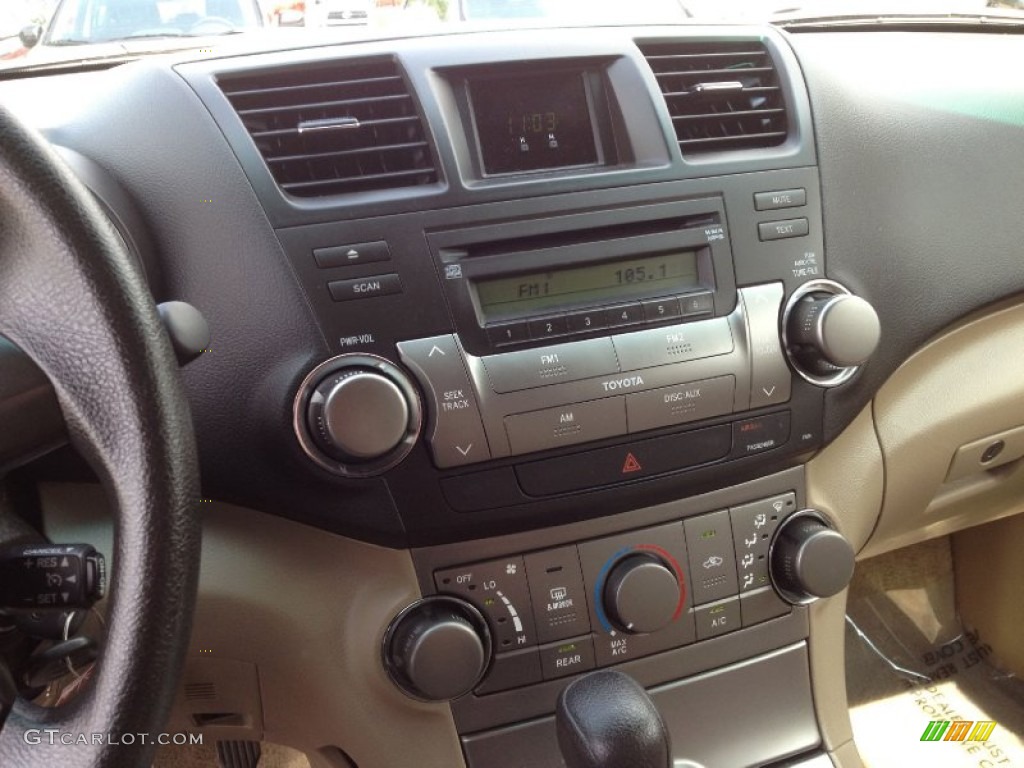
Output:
x=721 y=96
x=344 y=127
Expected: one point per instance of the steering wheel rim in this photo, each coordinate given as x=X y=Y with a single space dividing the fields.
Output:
x=75 y=301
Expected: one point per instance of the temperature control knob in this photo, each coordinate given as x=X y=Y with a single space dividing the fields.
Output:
x=829 y=331
x=641 y=594
x=437 y=649
x=357 y=415
x=809 y=559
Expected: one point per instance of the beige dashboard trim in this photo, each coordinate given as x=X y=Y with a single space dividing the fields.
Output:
x=277 y=593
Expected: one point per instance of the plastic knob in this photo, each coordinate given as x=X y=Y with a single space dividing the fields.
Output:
x=832 y=332
x=810 y=559
x=358 y=414
x=641 y=594
x=437 y=649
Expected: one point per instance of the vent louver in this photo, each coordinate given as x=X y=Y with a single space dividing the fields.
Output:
x=721 y=96
x=346 y=127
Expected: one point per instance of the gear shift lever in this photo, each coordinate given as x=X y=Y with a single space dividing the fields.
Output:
x=606 y=720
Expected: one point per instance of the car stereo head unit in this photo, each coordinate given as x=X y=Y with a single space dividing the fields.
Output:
x=587 y=276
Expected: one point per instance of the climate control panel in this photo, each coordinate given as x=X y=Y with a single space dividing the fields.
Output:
x=561 y=611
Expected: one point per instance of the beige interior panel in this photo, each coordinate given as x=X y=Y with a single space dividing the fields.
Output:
x=966 y=385
x=308 y=609
x=846 y=482
x=989 y=570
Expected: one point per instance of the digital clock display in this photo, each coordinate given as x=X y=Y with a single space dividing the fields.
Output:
x=505 y=298
x=533 y=122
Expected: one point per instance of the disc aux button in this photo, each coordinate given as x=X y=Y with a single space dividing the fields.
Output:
x=455 y=432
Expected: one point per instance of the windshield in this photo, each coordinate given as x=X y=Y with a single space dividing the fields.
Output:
x=76 y=31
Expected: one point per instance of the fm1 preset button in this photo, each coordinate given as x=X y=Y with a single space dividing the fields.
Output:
x=712 y=563
x=680 y=404
x=569 y=657
x=717 y=618
x=529 y=368
x=547 y=326
x=753 y=526
x=499 y=590
x=627 y=314
x=586 y=320
x=568 y=425
x=770 y=378
x=509 y=333
x=559 y=599
x=673 y=344
x=456 y=433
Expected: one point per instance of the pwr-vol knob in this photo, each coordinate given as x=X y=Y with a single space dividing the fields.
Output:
x=357 y=415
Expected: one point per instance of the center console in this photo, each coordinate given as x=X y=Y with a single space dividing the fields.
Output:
x=575 y=366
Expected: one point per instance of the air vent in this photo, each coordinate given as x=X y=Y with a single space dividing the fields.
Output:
x=200 y=691
x=721 y=96
x=340 y=128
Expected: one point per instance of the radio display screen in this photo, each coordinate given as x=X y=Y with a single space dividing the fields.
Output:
x=533 y=122
x=505 y=298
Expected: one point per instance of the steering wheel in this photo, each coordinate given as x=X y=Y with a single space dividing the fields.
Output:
x=74 y=300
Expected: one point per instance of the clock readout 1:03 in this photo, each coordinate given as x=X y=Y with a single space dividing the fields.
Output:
x=608 y=281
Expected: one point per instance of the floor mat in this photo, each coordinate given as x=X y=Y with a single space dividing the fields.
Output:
x=909 y=662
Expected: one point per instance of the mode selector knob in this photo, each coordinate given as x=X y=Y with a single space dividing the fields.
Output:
x=641 y=594
x=362 y=415
x=437 y=649
x=829 y=332
x=809 y=559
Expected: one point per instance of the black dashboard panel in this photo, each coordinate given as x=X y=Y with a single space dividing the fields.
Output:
x=269 y=269
x=917 y=170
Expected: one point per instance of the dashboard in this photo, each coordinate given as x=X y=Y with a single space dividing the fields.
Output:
x=548 y=352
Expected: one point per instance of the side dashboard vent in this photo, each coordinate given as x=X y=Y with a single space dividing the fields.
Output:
x=344 y=127
x=721 y=96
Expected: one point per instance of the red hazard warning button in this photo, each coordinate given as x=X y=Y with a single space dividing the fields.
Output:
x=630 y=464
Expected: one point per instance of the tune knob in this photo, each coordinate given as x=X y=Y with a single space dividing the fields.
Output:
x=809 y=559
x=357 y=415
x=641 y=594
x=829 y=331
x=437 y=649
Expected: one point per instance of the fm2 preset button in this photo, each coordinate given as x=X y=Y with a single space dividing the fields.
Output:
x=499 y=590
x=712 y=562
x=559 y=599
x=456 y=433
x=673 y=344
